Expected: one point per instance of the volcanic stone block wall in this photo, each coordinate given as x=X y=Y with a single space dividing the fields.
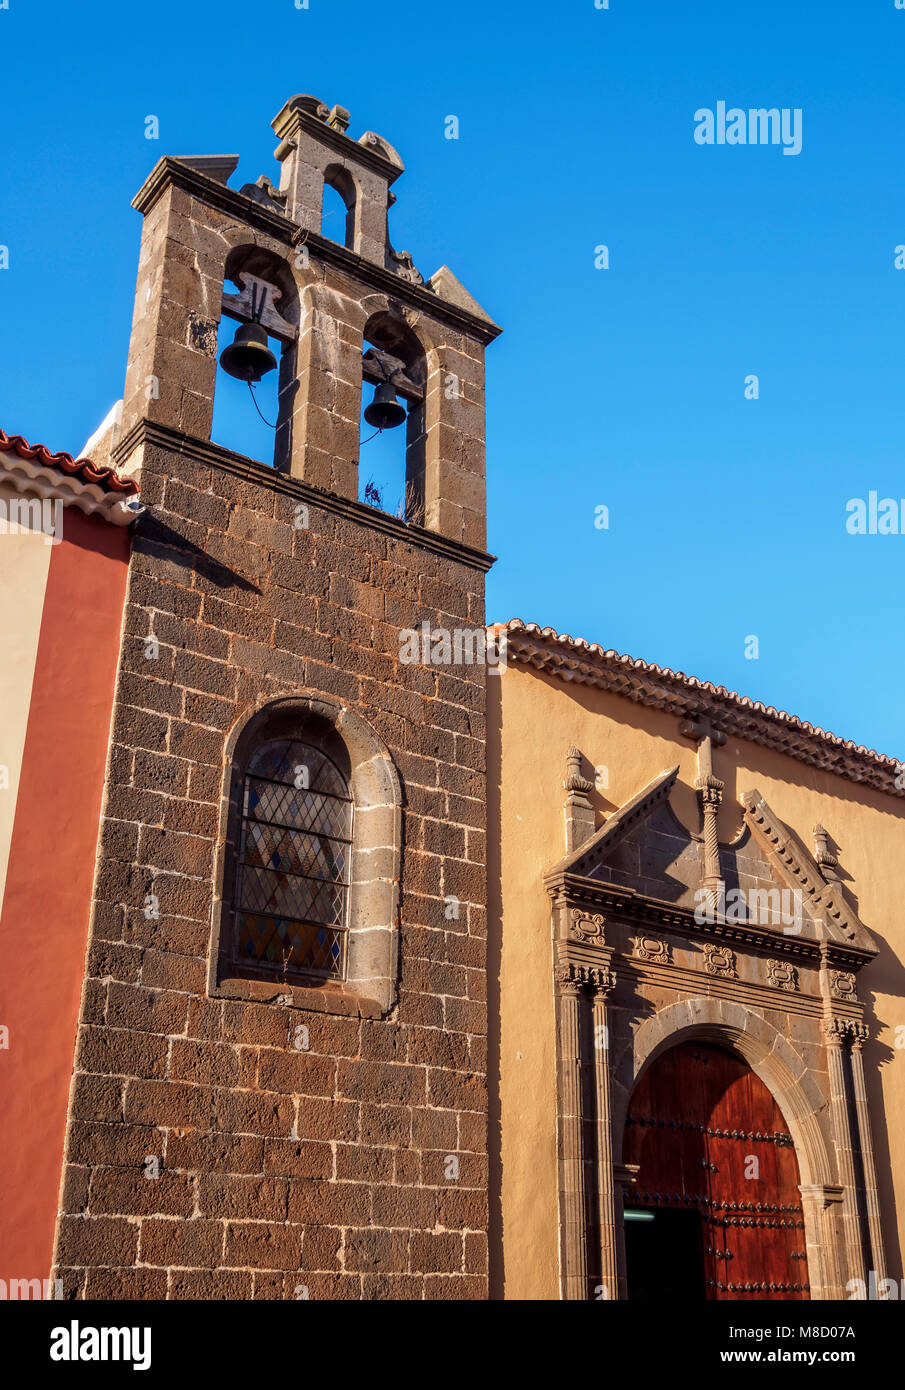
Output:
x=206 y=1156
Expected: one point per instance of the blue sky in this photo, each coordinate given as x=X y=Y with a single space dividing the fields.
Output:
x=622 y=388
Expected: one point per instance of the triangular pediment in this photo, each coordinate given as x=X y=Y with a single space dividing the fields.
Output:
x=796 y=869
x=641 y=846
x=769 y=878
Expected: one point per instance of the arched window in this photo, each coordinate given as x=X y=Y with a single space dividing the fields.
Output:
x=308 y=862
x=292 y=882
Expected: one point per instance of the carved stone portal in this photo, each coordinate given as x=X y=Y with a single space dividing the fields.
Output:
x=659 y=974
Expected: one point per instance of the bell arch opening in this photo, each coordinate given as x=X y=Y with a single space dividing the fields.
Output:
x=257 y=339
x=392 y=458
x=338 y=206
x=714 y=1210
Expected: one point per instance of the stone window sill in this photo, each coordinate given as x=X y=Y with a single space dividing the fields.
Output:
x=325 y=999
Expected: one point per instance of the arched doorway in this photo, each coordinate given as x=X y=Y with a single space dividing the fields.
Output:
x=715 y=1211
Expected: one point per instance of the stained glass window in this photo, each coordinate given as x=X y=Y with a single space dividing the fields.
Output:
x=292 y=886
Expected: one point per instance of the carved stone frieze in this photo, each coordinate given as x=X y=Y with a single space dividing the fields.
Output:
x=782 y=975
x=587 y=926
x=570 y=978
x=842 y=985
x=653 y=949
x=720 y=961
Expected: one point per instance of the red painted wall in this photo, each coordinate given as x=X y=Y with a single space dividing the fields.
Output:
x=44 y=927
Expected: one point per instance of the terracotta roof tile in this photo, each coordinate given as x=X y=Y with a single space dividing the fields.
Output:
x=84 y=469
x=587 y=663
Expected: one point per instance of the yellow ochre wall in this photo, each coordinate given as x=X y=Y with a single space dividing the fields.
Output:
x=532 y=720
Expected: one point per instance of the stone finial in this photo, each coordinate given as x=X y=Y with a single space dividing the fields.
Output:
x=371 y=140
x=826 y=860
x=339 y=119
x=304 y=101
x=579 y=813
x=573 y=780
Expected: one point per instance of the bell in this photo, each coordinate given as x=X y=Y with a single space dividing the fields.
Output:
x=248 y=357
x=385 y=412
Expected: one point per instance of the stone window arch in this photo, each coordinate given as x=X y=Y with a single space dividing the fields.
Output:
x=307 y=877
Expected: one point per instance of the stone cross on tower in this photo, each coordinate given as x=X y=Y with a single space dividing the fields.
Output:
x=710 y=795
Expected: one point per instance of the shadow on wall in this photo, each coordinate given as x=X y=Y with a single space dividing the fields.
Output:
x=494 y=961
x=889 y=967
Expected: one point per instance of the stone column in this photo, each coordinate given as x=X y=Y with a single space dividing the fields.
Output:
x=710 y=794
x=602 y=982
x=835 y=1035
x=818 y=1200
x=325 y=399
x=859 y=1035
x=454 y=488
x=572 y=1189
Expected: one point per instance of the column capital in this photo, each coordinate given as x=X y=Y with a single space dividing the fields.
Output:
x=568 y=980
x=835 y=1030
x=710 y=790
x=602 y=982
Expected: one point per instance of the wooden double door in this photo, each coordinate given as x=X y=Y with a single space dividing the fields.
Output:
x=715 y=1212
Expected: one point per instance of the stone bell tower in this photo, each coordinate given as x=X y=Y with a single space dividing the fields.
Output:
x=282 y=1089
x=323 y=300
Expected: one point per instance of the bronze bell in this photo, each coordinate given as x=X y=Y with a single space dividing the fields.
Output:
x=385 y=412
x=248 y=357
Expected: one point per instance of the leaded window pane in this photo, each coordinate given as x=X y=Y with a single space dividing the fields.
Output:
x=294 y=860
